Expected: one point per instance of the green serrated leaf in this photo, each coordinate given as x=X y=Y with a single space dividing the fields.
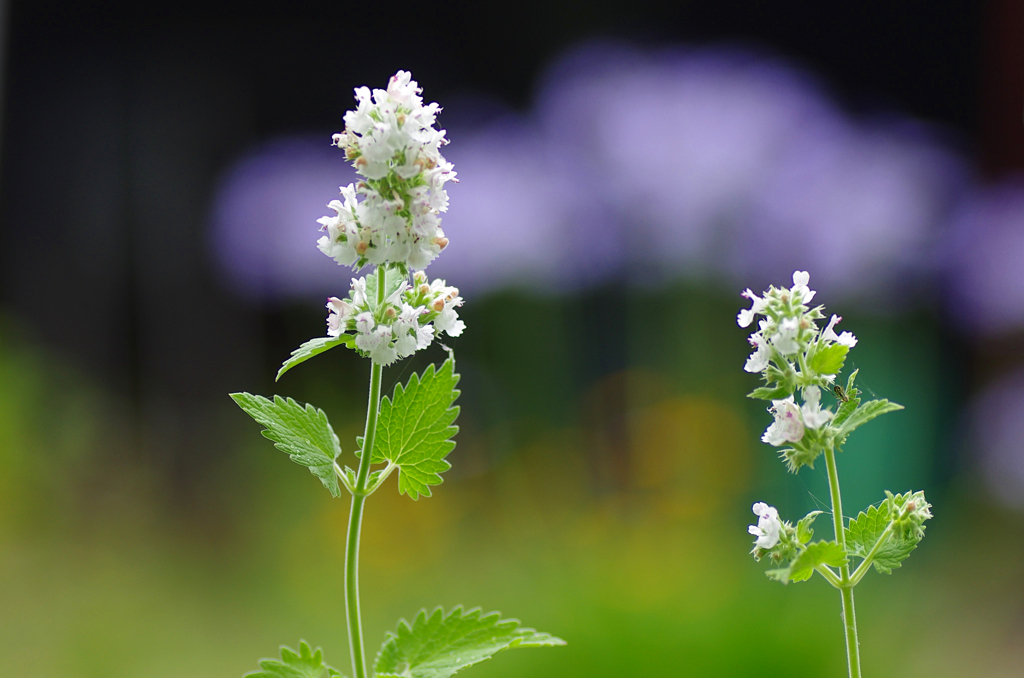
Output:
x=864 y=531
x=816 y=553
x=303 y=433
x=864 y=413
x=830 y=359
x=439 y=645
x=414 y=429
x=314 y=347
x=803 y=528
x=305 y=663
x=770 y=393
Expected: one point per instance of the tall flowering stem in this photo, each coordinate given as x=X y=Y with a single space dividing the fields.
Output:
x=355 y=518
x=794 y=356
x=391 y=220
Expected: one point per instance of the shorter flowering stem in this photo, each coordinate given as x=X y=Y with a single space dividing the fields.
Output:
x=832 y=578
x=862 y=569
x=845 y=588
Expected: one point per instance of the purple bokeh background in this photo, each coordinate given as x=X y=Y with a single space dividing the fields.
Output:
x=715 y=164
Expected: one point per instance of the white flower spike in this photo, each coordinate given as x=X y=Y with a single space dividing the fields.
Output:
x=393 y=215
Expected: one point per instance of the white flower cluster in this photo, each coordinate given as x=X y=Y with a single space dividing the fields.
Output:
x=768 y=528
x=790 y=420
x=406 y=322
x=789 y=325
x=788 y=347
x=392 y=215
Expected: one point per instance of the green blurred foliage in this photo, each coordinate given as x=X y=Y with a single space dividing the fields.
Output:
x=600 y=490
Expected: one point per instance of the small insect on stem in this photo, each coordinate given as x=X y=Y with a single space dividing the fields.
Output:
x=840 y=393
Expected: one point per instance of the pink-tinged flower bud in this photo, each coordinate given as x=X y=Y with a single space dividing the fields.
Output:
x=390 y=312
x=362 y=247
x=424 y=288
x=438 y=305
x=441 y=242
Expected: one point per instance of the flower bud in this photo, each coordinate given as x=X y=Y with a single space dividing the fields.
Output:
x=424 y=289
x=438 y=305
x=362 y=247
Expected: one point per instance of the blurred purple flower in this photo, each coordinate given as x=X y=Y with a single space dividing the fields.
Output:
x=983 y=257
x=861 y=207
x=264 y=228
x=711 y=162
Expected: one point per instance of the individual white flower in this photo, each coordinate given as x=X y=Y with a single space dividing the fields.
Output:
x=800 y=291
x=364 y=324
x=746 y=315
x=785 y=338
x=787 y=427
x=424 y=335
x=758 y=360
x=846 y=338
x=359 y=292
x=446 y=300
x=382 y=352
x=338 y=316
x=813 y=415
x=406 y=330
x=768 y=527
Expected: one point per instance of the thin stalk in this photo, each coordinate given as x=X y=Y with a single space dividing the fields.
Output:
x=846 y=586
x=355 y=519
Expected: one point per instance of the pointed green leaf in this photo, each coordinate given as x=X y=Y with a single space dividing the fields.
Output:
x=303 y=433
x=864 y=413
x=314 y=347
x=803 y=528
x=439 y=645
x=305 y=663
x=830 y=359
x=770 y=393
x=414 y=429
x=802 y=567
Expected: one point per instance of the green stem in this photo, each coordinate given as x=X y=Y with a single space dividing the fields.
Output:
x=846 y=586
x=355 y=520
